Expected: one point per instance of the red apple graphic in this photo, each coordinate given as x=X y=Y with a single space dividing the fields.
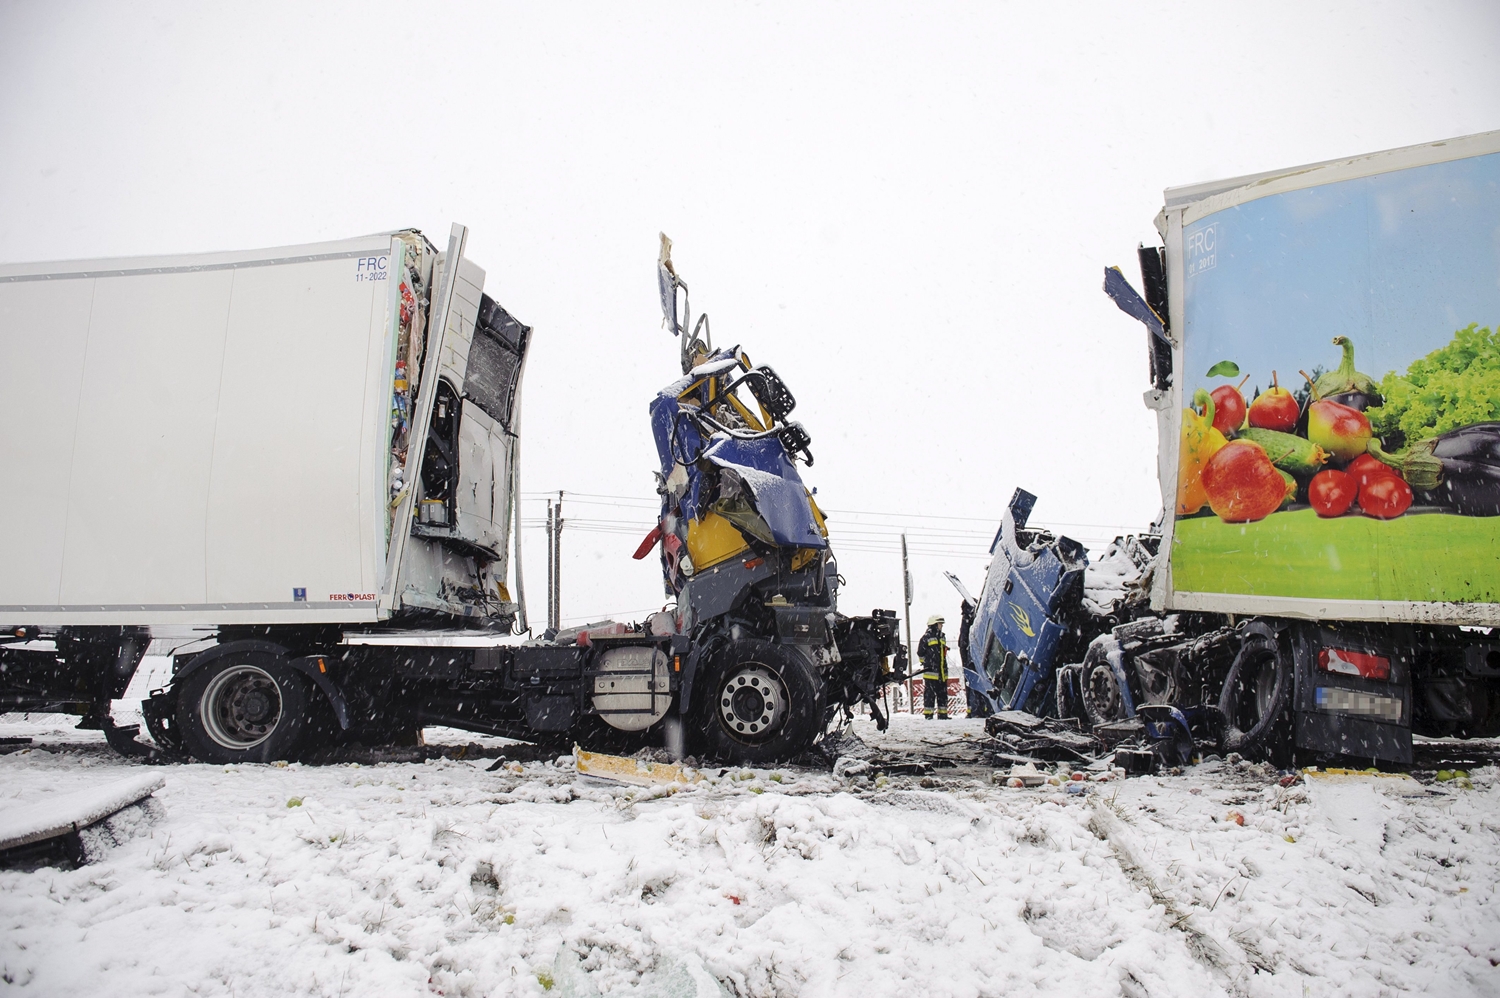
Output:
x=1275 y=409
x=1229 y=409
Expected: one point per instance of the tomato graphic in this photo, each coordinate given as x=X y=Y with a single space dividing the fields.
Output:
x=1331 y=492
x=1384 y=497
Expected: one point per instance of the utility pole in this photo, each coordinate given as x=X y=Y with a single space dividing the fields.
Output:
x=554 y=562
x=551 y=569
x=557 y=527
x=911 y=662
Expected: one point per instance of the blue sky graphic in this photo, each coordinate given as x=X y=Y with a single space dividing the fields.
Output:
x=1396 y=262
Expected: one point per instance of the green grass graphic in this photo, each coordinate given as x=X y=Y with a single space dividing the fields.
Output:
x=1419 y=557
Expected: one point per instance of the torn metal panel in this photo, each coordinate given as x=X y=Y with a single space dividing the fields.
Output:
x=774 y=485
x=1132 y=304
x=1018 y=732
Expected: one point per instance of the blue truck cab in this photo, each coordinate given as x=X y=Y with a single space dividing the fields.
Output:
x=1019 y=626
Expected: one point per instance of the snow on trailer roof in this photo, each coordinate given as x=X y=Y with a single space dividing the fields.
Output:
x=1345 y=168
x=198 y=262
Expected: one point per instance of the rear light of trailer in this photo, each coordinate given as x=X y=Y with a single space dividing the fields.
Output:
x=1354 y=663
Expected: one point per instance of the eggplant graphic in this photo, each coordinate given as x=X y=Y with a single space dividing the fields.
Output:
x=1471 y=469
x=1459 y=469
x=1343 y=385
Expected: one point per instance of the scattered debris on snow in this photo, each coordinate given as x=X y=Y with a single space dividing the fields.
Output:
x=440 y=876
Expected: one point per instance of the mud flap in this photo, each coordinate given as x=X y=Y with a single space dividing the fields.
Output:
x=159 y=711
x=1353 y=695
x=1357 y=737
x=121 y=738
x=315 y=667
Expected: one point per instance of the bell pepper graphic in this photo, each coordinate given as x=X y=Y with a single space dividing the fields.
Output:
x=1200 y=441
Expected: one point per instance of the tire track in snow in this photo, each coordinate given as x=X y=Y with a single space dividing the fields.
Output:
x=1221 y=957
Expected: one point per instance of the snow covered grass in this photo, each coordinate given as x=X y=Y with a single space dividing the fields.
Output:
x=443 y=878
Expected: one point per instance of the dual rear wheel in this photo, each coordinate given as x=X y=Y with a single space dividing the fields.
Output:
x=1257 y=697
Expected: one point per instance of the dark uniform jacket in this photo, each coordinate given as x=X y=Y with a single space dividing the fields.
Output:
x=932 y=652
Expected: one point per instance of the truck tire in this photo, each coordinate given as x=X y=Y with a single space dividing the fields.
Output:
x=1102 y=701
x=246 y=707
x=1257 y=692
x=761 y=703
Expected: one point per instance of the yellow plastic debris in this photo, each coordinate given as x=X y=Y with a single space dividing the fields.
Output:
x=1330 y=774
x=637 y=772
x=1400 y=784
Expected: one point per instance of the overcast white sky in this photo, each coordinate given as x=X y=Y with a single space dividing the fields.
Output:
x=905 y=209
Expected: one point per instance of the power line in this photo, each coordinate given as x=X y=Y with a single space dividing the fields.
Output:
x=945 y=544
x=994 y=520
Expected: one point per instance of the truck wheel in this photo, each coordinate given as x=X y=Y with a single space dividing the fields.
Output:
x=251 y=707
x=1102 y=701
x=1255 y=698
x=761 y=703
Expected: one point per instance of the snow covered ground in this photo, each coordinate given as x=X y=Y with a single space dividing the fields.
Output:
x=443 y=877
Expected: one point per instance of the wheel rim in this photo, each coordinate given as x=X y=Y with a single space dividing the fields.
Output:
x=752 y=702
x=1101 y=693
x=240 y=707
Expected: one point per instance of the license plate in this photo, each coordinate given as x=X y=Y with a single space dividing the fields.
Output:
x=1332 y=698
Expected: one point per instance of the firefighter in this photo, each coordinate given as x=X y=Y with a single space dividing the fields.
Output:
x=933 y=653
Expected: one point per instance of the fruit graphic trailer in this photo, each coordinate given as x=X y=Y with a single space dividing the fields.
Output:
x=1337 y=403
x=1324 y=583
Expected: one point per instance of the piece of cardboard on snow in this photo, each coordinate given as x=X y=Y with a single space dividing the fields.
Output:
x=26 y=822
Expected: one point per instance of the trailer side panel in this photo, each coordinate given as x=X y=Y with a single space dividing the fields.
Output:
x=1365 y=275
x=194 y=432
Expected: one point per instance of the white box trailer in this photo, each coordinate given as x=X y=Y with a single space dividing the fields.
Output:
x=224 y=441
x=213 y=439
